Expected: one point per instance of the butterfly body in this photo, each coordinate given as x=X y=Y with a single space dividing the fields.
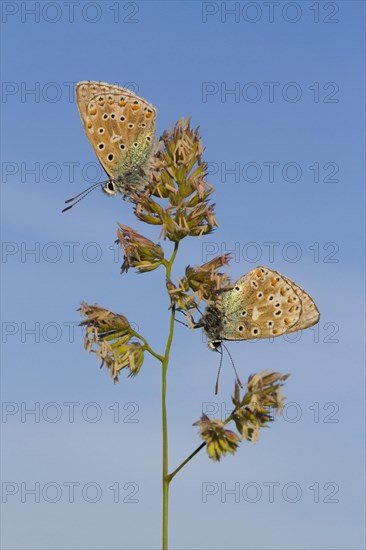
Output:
x=261 y=304
x=126 y=184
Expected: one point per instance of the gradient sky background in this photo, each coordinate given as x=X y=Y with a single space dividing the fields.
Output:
x=167 y=51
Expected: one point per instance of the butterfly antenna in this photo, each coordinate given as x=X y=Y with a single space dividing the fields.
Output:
x=232 y=362
x=218 y=373
x=82 y=195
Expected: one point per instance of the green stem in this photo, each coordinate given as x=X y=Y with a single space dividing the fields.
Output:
x=165 y=363
x=147 y=347
x=170 y=476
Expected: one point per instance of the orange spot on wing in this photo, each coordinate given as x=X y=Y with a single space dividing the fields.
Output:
x=283 y=291
x=287 y=321
x=135 y=107
x=122 y=103
x=273 y=282
x=259 y=273
x=93 y=110
x=148 y=115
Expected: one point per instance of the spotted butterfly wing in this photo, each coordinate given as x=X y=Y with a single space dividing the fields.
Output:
x=120 y=127
x=309 y=312
x=264 y=304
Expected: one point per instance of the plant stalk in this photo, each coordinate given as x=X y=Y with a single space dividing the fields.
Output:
x=165 y=363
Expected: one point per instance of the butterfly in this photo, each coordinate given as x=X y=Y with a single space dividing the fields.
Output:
x=261 y=304
x=121 y=128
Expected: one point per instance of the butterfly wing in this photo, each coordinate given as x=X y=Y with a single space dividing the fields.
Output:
x=310 y=314
x=119 y=125
x=264 y=304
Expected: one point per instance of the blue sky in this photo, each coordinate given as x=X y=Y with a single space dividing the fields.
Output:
x=278 y=96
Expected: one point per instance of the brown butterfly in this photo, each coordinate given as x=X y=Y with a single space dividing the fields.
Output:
x=261 y=304
x=121 y=129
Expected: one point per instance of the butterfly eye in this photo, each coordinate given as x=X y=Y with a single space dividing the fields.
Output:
x=240 y=328
x=122 y=146
x=130 y=125
x=270 y=323
x=215 y=344
x=260 y=295
x=105 y=116
x=278 y=313
x=270 y=297
x=237 y=288
x=122 y=118
x=110 y=157
x=113 y=115
x=101 y=130
x=101 y=146
x=255 y=331
x=255 y=284
x=243 y=313
x=277 y=305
